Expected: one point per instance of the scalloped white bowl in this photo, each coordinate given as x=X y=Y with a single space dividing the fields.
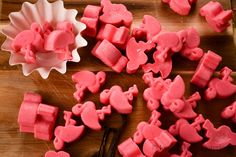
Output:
x=40 y=12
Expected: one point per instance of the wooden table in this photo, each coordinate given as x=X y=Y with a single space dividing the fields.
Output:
x=58 y=88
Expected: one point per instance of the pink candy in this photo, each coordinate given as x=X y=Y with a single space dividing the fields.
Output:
x=218 y=138
x=182 y=7
x=67 y=133
x=188 y=132
x=89 y=115
x=42 y=117
x=86 y=80
x=115 y=14
x=216 y=16
x=56 y=154
x=132 y=151
x=117 y=36
x=110 y=55
x=221 y=88
x=230 y=112
x=136 y=54
x=90 y=19
x=205 y=69
x=149 y=27
x=119 y=100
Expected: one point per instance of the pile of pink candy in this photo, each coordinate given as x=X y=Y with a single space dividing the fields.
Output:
x=110 y=25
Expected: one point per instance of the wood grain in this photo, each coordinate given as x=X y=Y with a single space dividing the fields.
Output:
x=58 y=89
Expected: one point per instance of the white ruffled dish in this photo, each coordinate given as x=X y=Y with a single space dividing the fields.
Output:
x=40 y=12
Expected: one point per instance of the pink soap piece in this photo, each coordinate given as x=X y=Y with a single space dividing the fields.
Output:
x=230 y=112
x=149 y=27
x=110 y=55
x=115 y=14
x=32 y=97
x=181 y=7
x=69 y=133
x=205 y=69
x=86 y=80
x=191 y=48
x=128 y=148
x=157 y=86
x=48 y=112
x=89 y=115
x=185 y=151
x=119 y=100
x=90 y=19
x=60 y=41
x=218 y=138
x=135 y=53
x=216 y=16
x=56 y=154
x=29 y=42
x=117 y=36
x=188 y=132
x=221 y=88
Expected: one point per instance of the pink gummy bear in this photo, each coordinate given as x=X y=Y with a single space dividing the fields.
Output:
x=218 y=138
x=153 y=94
x=135 y=53
x=87 y=80
x=110 y=55
x=115 y=14
x=128 y=148
x=119 y=100
x=117 y=36
x=29 y=42
x=60 y=40
x=230 y=112
x=185 y=151
x=206 y=68
x=174 y=101
x=42 y=117
x=149 y=27
x=67 y=133
x=221 y=88
x=89 y=115
x=182 y=7
x=188 y=132
x=216 y=16
x=90 y=19
x=56 y=154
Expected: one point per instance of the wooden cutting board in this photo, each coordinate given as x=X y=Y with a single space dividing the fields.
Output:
x=58 y=89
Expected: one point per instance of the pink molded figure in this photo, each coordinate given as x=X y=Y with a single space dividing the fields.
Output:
x=117 y=36
x=149 y=27
x=135 y=53
x=230 y=112
x=67 y=133
x=115 y=14
x=153 y=94
x=174 y=101
x=90 y=19
x=56 y=154
x=188 y=132
x=216 y=16
x=86 y=80
x=29 y=42
x=42 y=117
x=128 y=148
x=89 y=115
x=221 y=88
x=218 y=138
x=185 y=151
x=206 y=68
x=110 y=55
x=182 y=7
x=119 y=100
x=60 y=40
x=191 y=44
